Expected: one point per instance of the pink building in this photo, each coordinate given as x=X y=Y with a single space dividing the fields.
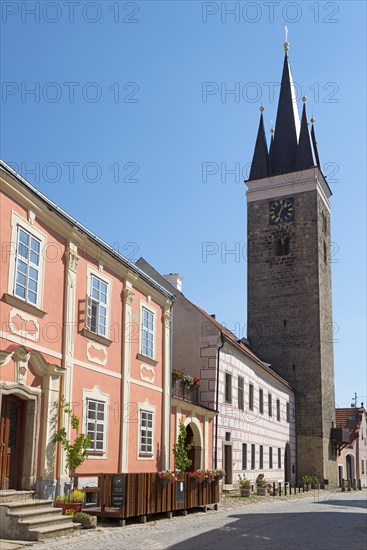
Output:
x=352 y=461
x=78 y=320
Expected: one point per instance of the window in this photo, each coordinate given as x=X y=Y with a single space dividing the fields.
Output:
x=228 y=388
x=325 y=253
x=251 y=397
x=147 y=332
x=96 y=424
x=252 y=457
x=244 y=456
x=146 y=433
x=362 y=466
x=261 y=401
x=97 y=306
x=270 y=405
x=228 y=436
x=278 y=410
x=282 y=246
x=287 y=412
x=270 y=457
x=279 y=457
x=240 y=393
x=27 y=266
x=261 y=466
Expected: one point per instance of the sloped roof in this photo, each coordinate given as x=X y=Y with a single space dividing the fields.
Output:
x=350 y=418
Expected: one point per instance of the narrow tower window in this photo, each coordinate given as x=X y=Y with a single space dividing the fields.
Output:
x=282 y=246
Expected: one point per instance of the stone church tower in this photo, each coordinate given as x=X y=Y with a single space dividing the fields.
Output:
x=289 y=275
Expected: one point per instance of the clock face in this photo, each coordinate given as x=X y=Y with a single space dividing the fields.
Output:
x=281 y=210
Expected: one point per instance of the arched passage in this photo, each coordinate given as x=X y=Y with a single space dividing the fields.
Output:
x=350 y=466
x=193 y=433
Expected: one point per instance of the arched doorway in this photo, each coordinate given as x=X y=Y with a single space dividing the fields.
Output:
x=287 y=464
x=350 y=467
x=194 y=454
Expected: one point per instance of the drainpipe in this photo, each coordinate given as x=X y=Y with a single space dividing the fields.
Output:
x=217 y=402
x=170 y=386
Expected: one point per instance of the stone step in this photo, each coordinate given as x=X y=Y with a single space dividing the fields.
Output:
x=36 y=522
x=40 y=511
x=10 y=495
x=33 y=520
x=42 y=533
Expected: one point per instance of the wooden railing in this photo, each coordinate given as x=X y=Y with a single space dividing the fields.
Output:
x=185 y=391
x=132 y=495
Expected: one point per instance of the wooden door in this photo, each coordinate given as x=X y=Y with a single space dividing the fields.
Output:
x=11 y=441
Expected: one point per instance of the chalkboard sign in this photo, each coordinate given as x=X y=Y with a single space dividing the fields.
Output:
x=180 y=490
x=118 y=491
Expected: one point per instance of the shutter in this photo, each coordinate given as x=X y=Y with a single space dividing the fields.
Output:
x=88 y=312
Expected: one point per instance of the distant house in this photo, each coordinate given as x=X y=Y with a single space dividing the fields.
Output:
x=254 y=431
x=352 y=461
x=78 y=320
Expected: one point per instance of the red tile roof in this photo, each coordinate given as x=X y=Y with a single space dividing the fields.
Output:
x=350 y=418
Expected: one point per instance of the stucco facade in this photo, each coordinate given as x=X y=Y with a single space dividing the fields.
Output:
x=352 y=460
x=80 y=321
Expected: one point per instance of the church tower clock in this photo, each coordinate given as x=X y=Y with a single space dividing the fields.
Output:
x=289 y=275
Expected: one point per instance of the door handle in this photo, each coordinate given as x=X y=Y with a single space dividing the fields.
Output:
x=2 y=445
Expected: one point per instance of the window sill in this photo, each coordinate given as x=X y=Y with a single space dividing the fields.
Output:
x=96 y=337
x=146 y=359
x=148 y=456
x=95 y=453
x=23 y=305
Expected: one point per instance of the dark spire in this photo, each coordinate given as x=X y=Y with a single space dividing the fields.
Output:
x=305 y=157
x=287 y=126
x=260 y=160
x=314 y=143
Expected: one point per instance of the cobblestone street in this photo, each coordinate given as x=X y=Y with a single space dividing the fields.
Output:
x=334 y=520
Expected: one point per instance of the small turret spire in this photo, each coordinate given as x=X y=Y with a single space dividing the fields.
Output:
x=286 y=43
x=314 y=143
x=260 y=160
x=305 y=157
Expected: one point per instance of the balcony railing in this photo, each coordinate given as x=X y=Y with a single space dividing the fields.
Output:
x=185 y=391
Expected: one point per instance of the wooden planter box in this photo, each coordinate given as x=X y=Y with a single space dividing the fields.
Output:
x=245 y=491
x=261 y=491
x=76 y=506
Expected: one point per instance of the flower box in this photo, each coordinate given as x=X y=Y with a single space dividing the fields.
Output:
x=76 y=506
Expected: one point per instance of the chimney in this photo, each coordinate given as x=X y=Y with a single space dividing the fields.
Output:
x=175 y=279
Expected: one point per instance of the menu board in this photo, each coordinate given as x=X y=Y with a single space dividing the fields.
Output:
x=118 y=491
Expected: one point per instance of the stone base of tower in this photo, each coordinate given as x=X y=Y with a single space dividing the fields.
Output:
x=315 y=458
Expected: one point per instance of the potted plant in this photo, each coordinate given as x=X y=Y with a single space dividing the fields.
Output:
x=72 y=502
x=76 y=453
x=261 y=485
x=219 y=474
x=167 y=477
x=199 y=476
x=245 y=486
x=307 y=480
x=85 y=520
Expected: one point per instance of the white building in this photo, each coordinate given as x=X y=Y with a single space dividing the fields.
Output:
x=255 y=428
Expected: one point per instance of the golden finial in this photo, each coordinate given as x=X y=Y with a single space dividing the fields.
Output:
x=272 y=131
x=286 y=43
x=304 y=98
x=312 y=120
x=261 y=109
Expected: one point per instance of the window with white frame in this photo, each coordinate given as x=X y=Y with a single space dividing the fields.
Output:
x=27 y=266
x=96 y=422
x=97 y=303
x=146 y=433
x=147 y=332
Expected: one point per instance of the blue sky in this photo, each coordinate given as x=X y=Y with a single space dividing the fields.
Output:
x=131 y=128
